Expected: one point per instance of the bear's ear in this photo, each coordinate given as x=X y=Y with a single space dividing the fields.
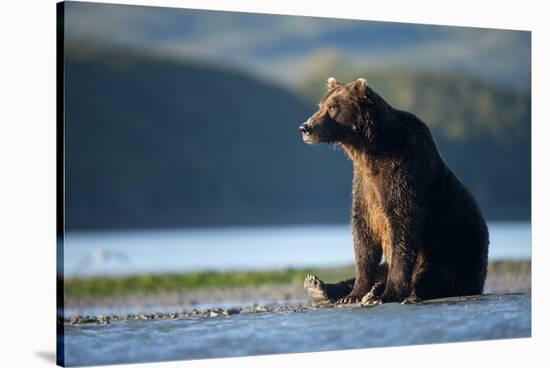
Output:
x=361 y=86
x=332 y=82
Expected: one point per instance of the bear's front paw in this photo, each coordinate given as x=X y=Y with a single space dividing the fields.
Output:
x=371 y=300
x=412 y=299
x=374 y=295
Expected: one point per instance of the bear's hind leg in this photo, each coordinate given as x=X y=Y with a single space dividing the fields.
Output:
x=324 y=293
x=321 y=293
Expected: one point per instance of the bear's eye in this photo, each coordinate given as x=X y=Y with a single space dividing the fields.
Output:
x=332 y=108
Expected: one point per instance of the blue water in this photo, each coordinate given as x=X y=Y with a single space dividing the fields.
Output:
x=290 y=332
x=124 y=252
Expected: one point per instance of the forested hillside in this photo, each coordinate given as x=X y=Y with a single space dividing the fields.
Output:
x=159 y=142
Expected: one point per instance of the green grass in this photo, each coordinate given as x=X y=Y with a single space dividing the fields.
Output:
x=500 y=268
x=148 y=283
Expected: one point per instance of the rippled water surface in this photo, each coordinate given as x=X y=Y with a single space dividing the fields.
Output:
x=313 y=330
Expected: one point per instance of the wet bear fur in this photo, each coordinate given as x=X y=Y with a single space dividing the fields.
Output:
x=408 y=206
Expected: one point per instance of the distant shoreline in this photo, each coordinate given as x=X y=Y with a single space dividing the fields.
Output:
x=238 y=287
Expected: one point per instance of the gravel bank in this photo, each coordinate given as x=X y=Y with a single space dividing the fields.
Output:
x=508 y=277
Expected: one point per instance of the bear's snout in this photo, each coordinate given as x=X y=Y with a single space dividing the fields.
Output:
x=305 y=128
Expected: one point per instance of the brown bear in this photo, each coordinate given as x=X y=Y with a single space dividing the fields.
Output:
x=408 y=206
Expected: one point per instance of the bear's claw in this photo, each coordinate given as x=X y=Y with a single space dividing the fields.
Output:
x=350 y=299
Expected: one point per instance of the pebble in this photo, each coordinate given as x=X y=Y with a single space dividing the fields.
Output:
x=205 y=313
x=231 y=311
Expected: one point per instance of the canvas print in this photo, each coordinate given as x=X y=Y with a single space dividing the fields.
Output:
x=235 y=184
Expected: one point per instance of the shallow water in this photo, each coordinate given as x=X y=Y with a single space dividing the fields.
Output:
x=322 y=329
x=124 y=252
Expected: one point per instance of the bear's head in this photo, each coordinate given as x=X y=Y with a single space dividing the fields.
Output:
x=343 y=115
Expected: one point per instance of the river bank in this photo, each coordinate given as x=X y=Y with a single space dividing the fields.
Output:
x=147 y=296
